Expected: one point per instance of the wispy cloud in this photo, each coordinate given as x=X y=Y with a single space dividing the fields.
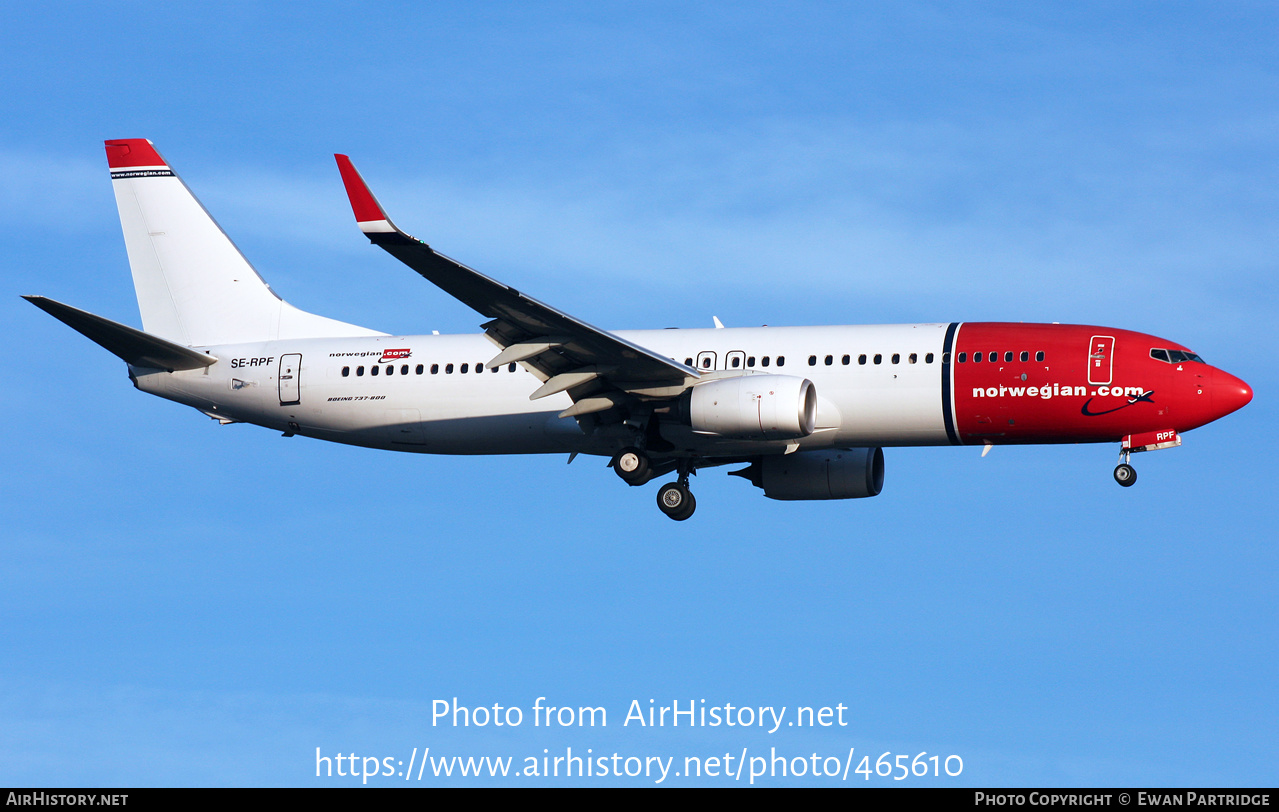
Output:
x=983 y=212
x=51 y=193
x=898 y=209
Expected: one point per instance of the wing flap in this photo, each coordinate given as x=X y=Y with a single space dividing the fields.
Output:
x=526 y=350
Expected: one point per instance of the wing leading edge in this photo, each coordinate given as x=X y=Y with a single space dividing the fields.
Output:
x=597 y=368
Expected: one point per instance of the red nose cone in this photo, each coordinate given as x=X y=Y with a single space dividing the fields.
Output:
x=1229 y=393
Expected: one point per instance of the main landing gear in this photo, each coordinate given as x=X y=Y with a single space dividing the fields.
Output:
x=632 y=465
x=1125 y=474
x=674 y=498
x=635 y=467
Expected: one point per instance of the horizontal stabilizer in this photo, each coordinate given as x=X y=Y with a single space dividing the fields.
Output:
x=137 y=348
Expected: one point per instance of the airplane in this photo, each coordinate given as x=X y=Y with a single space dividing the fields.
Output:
x=807 y=410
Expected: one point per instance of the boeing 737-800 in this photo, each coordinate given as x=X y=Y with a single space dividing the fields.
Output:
x=807 y=410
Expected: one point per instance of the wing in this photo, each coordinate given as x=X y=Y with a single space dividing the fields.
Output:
x=598 y=369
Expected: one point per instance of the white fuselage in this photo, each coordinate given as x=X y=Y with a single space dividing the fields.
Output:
x=435 y=401
x=807 y=408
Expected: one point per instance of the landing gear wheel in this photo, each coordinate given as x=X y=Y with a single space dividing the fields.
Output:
x=631 y=465
x=676 y=501
x=1125 y=474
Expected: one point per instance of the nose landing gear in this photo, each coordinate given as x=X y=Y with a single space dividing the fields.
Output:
x=1125 y=474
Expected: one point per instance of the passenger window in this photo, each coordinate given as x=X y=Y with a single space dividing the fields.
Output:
x=928 y=359
x=812 y=360
x=359 y=372
x=736 y=362
x=346 y=371
x=945 y=358
x=420 y=369
x=845 y=360
x=878 y=358
x=1008 y=357
x=494 y=369
x=830 y=360
x=781 y=360
x=976 y=357
x=1025 y=356
x=435 y=369
x=511 y=368
x=479 y=367
x=764 y=361
x=374 y=370
x=897 y=358
x=448 y=369
x=465 y=368
x=688 y=362
x=861 y=359
x=1039 y=356
x=913 y=358
x=390 y=370
x=404 y=370
x=750 y=361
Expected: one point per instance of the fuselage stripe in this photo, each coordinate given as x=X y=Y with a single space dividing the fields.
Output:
x=947 y=384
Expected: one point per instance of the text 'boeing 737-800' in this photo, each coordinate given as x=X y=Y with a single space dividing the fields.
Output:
x=807 y=410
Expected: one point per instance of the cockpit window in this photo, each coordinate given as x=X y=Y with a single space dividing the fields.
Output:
x=1175 y=356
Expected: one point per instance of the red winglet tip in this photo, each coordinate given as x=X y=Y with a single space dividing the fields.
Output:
x=363 y=204
x=126 y=152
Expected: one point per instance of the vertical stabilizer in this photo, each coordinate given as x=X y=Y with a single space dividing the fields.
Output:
x=194 y=286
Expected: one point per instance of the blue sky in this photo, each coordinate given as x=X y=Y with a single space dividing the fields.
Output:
x=188 y=604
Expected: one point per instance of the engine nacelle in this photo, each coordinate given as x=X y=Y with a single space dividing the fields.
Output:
x=753 y=407
x=836 y=473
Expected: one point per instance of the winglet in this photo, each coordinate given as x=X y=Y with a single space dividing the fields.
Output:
x=368 y=212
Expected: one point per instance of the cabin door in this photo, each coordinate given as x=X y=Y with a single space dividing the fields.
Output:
x=290 y=379
x=1101 y=360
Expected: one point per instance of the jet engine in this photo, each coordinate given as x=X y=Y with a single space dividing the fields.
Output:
x=837 y=473
x=752 y=407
